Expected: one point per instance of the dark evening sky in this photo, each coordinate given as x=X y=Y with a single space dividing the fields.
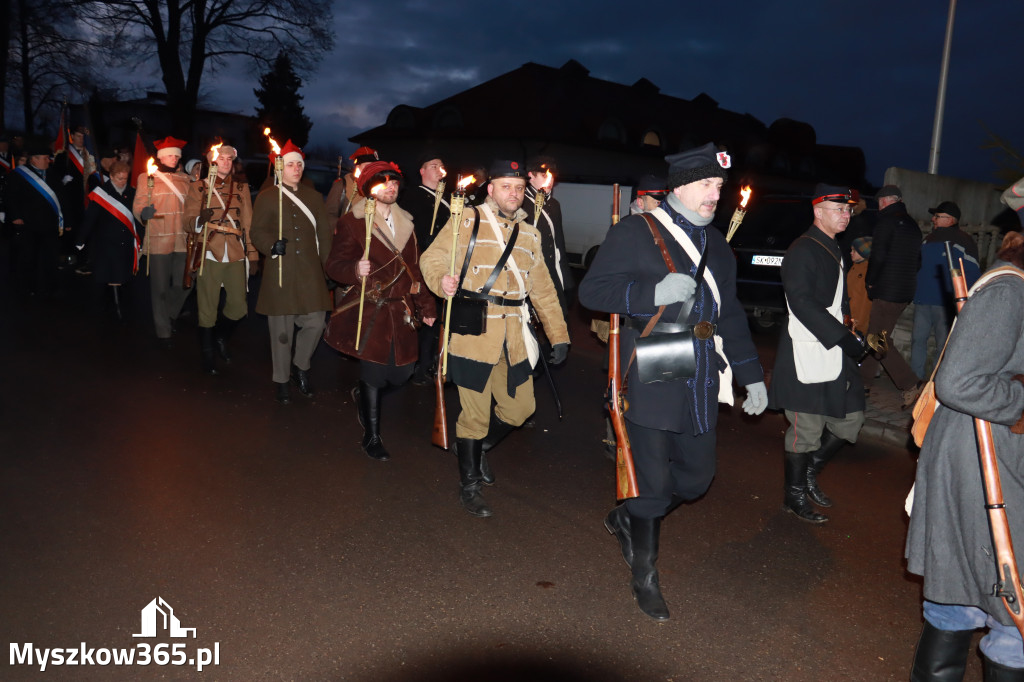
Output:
x=862 y=74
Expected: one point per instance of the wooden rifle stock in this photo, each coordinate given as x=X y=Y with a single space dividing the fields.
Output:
x=1008 y=585
x=439 y=436
x=625 y=473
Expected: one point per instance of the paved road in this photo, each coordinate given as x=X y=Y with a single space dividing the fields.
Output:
x=128 y=475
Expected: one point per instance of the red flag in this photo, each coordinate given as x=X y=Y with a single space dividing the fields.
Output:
x=61 y=143
x=138 y=159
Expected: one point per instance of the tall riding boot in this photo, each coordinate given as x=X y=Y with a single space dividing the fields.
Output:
x=496 y=432
x=617 y=523
x=206 y=349
x=367 y=400
x=222 y=332
x=116 y=296
x=941 y=655
x=795 y=489
x=997 y=672
x=469 y=454
x=645 y=534
x=830 y=445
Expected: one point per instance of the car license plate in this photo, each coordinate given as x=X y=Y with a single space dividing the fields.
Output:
x=774 y=261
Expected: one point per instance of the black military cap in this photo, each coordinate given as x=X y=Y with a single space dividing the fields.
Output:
x=427 y=155
x=840 y=195
x=948 y=207
x=503 y=168
x=37 y=146
x=697 y=164
x=539 y=164
x=651 y=185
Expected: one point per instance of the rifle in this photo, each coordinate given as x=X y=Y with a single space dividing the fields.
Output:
x=625 y=473
x=439 y=436
x=1008 y=586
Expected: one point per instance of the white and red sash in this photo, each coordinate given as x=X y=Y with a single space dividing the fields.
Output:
x=76 y=158
x=5 y=164
x=123 y=214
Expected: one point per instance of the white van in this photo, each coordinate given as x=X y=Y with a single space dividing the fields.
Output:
x=586 y=217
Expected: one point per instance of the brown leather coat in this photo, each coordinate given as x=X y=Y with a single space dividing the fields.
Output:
x=165 y=232
x=228 y=233
x=395 y=293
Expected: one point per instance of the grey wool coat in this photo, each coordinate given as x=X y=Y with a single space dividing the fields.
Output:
x=949 y=542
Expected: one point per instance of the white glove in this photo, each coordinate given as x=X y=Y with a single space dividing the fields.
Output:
x=66 y=179
x=673 y=288
x=757 y=398
x=79 y=246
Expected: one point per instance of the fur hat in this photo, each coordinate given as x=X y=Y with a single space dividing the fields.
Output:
x=376 y=172
x=697 y=164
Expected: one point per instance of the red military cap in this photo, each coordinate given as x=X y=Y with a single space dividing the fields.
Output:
x=364 y=155
x=169 y=145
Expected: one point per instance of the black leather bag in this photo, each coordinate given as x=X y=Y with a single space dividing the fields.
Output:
x=665 y=357
x=469 y=316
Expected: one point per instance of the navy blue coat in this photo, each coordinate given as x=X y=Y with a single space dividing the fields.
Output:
x=622 y=279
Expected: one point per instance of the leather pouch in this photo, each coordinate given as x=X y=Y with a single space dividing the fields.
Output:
x=665 y=357
x=469 y=316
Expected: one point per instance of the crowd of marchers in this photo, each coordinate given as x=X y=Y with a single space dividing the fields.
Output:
x=428 y=279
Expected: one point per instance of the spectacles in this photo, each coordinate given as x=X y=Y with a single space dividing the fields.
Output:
x=848 y=210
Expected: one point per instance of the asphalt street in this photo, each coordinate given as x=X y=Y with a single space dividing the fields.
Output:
x=128 y=476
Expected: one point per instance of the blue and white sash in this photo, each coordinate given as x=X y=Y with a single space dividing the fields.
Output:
x=43 y=189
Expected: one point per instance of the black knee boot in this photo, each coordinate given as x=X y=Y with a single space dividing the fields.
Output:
x=645 y=534
x=116 y=297
x=496 y=432
x=222 y=332
x=469 y=454
x=617 y=523
x=997 y=672
x=206 y=350
x=830 y=445
x=795 y=489
x=368 y=405
x=941 y=655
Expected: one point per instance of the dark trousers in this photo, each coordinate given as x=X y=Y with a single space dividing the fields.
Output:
x=36 y=251
x=884 y=315
x=669 y=465
x=380 y=376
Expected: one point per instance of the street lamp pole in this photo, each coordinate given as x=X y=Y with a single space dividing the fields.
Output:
x=940 y=104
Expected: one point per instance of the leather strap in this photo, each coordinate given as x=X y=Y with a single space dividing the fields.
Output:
x=493 y=277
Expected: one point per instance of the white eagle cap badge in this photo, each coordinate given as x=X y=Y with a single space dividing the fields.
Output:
x=723 y=160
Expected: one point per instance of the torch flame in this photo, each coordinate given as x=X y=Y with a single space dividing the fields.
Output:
x=376 y=188
x=466 y=182
x=216 y=151
x=273 y=143
x=548 y=181
x=150 y=167
x=444 y=173
x=358 y=170
x=745 y=193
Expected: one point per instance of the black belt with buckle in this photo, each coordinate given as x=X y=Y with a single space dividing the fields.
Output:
x=701 y=330
x=496 y=300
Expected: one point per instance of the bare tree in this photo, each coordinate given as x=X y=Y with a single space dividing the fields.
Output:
x=188 y=37
x=44 y=58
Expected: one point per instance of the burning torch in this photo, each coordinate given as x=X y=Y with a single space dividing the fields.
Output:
x=739 y=214
x=542 y=194
x=150 y=169
x=278 y=173
x=458 y=204
x=209 y=200
x=438 y=194
x=369 y=211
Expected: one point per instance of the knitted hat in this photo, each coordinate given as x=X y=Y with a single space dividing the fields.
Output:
x=697 y=164
x=862 y=245
x=289 y=152
x=375 y=173
x=948 y=207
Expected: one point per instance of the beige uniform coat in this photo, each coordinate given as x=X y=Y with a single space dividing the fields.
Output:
x=471 y=357
x=229 y=238
x=304 y=287
x=165 y=232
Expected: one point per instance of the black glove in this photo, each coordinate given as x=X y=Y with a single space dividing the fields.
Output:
x=559 y=352
x=148 y=212
x=853 y=347
x=278 y=248
x=205 y=215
